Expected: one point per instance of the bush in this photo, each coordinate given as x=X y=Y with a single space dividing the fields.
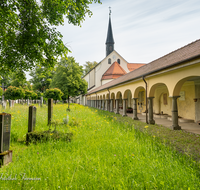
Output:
x=54 y=93
x=14 y=93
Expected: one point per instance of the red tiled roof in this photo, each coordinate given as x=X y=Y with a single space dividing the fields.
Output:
x=133 y=66
x=176 y=57
x=113 y=72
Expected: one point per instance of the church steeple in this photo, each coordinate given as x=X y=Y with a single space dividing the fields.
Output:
x=109 y=41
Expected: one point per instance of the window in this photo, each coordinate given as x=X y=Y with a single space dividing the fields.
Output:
x=118 y=61
x=109 y=61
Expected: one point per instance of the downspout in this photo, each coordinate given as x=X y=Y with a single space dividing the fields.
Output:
x=108 y=99
x=146 y=98
x=96 y=99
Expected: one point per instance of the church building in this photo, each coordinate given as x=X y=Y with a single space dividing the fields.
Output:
x=111 y=67
x=167 y=88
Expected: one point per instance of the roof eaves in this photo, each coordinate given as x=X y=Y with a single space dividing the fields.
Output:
x=148 y=73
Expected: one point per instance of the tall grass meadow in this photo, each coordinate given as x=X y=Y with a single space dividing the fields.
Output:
x=103 y=154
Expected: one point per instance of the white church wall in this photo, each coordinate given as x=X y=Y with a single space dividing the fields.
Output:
x=106 y=81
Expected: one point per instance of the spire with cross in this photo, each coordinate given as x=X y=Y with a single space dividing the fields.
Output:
x=109 y=41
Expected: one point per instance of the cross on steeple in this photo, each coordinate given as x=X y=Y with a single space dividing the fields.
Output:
x=110 y=11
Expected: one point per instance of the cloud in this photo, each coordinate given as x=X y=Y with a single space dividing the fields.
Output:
x=143 y=30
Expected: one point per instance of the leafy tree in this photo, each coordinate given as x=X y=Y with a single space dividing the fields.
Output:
x=14 y=93
x=18 y=78
x=88 y=66
x=27 y=34
x=41 y=78
x=28 y=94
x=54 y=93
x=39 y=94
x=67 y=77
x=1 y=91
x=34 y=96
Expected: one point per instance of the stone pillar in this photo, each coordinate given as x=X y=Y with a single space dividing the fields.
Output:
x=31 y=118
x=106 y=105
x=28 y=102
x=103 y=104
x=117 y=106
x=135 y=109
x=197 y=101
x=150 y=110
x=124 y=108
x=100 y=104
x=50 y=110
x=111 y=105
x=175 y=125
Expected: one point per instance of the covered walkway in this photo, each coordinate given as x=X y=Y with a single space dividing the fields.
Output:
x=189 y=127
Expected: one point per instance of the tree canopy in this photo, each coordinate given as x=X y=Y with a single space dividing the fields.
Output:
x=54 y=93
x=41 y=78
x=88 y=66
x=14 y=93
x=28 y=36
x=67 y=77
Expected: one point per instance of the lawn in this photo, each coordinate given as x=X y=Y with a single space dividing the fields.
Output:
x=107 y=151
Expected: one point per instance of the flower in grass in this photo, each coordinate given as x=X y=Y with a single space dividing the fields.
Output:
x=114 y=154
x=146 y=126
x=154 y=136
x=37 y=152
x=133 y=155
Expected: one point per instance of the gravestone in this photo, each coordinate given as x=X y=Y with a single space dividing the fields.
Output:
x=5 y=124
x=50 y=110
x=31 y=118
x=4 y=104
x=10 y=103
x=41 y=100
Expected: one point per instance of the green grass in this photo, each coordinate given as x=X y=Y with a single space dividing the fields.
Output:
x=107 y=151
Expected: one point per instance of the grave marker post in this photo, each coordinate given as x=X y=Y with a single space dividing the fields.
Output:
x=32 y=118
x=50 y=110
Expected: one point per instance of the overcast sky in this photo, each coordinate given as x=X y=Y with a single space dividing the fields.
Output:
x=143 y=30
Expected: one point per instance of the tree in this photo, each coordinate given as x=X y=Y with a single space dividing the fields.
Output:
x=29 y=94
x=18 y=78
x=1 y=91
x=88 y=66
x=14 y=93
x=41 y=78
x=54 y=93
x=27 y=34
x=67 y=77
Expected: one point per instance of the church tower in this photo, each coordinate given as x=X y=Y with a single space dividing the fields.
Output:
x=109 y=41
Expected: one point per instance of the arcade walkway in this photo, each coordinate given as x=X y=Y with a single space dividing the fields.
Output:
x=189 y=127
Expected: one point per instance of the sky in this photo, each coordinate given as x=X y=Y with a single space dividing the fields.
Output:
x=143 y=30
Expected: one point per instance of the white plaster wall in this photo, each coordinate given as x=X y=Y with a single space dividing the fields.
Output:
x=103 y=66
x=87 y=79
x=106 y=81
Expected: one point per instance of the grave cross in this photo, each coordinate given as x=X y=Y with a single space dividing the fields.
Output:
x=3 y=87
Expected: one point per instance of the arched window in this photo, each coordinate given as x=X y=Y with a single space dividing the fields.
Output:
x=109 y=61
x=118 y=61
